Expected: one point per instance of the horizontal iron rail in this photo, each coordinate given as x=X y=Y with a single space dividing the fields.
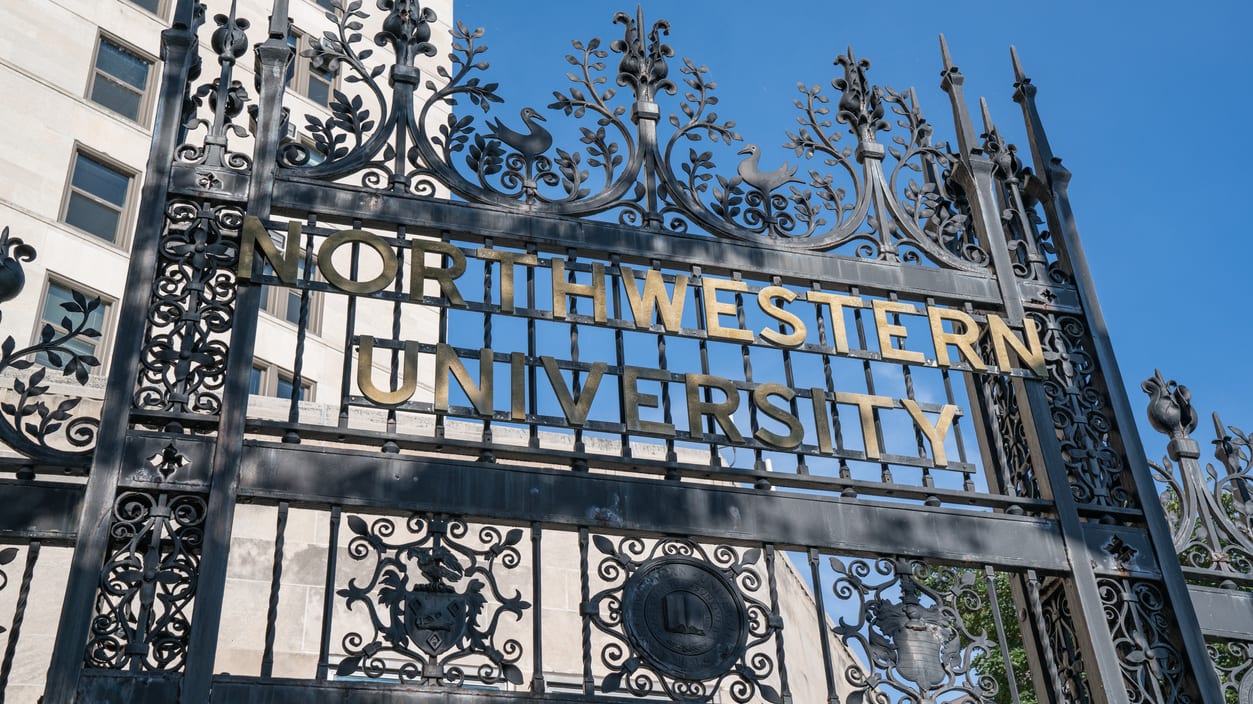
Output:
x=593 y=238
x=365 y=480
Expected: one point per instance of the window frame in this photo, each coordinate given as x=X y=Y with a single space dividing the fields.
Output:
x=103 y=344
x=121 y=239
x=271 y=374
x=146 y=98
x=162 y=11
x=302 y=69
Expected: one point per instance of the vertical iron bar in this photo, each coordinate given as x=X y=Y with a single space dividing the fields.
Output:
x=532 y=388
x=585 y=606
x=1046 y=641
x=19 y=614
x=389 y=445
x=759 y=464
x=486 y=437
x=537 y=609
x=698 y=288
x=886 y=470
x=276 y=577
x=302 y=332
x=350 y=329
x=829 y=378
x=790 y=381
x=820 y=612
x=579 y=463
x=328 y=596
x=907 y=374
x=777 y=620
x=667 y=412
x=619 y=346
x=445 y=236
x=989 y=576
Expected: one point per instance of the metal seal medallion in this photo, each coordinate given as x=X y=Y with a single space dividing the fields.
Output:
x=685 y=618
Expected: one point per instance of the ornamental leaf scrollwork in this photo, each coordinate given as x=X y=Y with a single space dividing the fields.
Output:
x=34 y=420
x=148 y=584
x=909 y=627
x=183 y=359
x=1209 y=508
x=1143 y=633
x=434 y=601
x=1081 y=412
x=217 y=105
x=1233 y=659
x=841 y=195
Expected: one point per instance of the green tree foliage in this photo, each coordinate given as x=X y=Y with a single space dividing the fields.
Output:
x=992 y=664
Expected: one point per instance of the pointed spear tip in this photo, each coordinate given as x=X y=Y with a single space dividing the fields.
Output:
x=279 y=19
x=987 y=114
x=944 y=53
x=1019 y=74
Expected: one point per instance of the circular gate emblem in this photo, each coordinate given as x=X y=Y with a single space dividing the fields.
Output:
x=685 y=618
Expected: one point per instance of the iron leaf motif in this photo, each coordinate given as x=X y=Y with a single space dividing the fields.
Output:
x=40 y=423
x=390 y=139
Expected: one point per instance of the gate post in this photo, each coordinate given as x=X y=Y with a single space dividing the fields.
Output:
x=273 y=57
x=179 y=53
x=1116 y=597
x=976 y=177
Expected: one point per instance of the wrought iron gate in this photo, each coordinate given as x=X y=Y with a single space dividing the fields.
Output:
x=610 y=421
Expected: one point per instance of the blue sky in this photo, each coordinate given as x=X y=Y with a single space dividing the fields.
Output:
x=1144 y=101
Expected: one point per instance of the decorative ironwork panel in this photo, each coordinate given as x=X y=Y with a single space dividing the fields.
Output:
x=1063 y=657
x=212 y=110
x=1018 y=193
x=1008 y=431
x=193 y=298
x=910 y=626
x=434 y=601
x=148 y=584
x=1090 y=444
x=846 y=195
x=683 y=620
x=1233 y=659
x=1145 y=639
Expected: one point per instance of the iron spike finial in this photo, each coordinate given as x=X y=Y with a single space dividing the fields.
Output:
x=279 y=20
x=1019 y=75
x=945 y=56
x=988 y=127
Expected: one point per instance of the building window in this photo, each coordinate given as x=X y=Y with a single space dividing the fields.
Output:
x=284 y=303
x=311 y=77
x=269 y=380
x=63 y=303
x=119 y=80
x=97 y=197
x=156 y=7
